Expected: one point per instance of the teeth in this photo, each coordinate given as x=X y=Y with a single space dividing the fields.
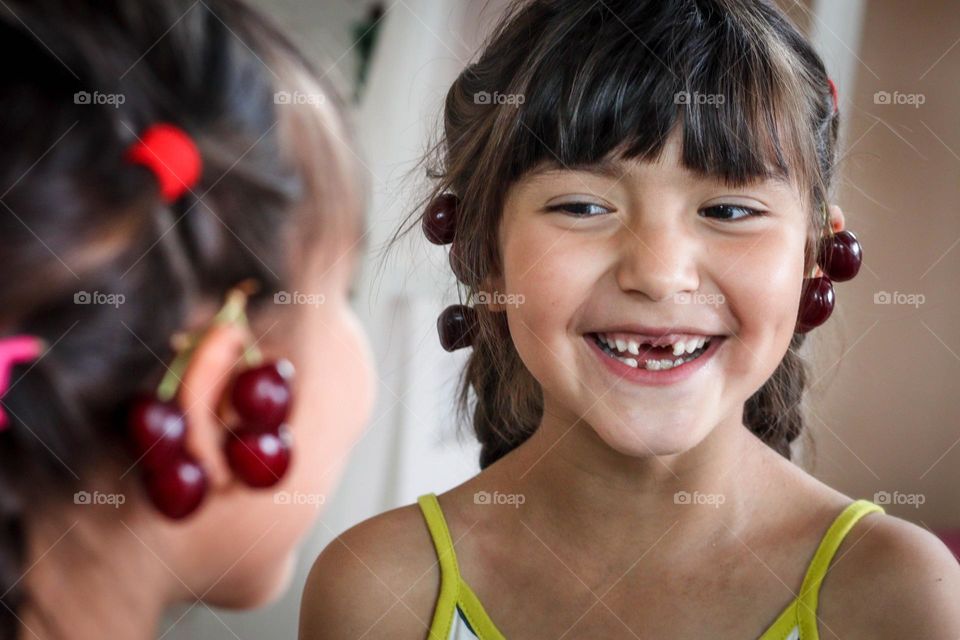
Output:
x=621 y=345
x=634 y=347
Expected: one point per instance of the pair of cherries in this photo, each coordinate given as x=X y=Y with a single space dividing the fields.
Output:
x=839 y=257
x=258 y=450
x=457 y=325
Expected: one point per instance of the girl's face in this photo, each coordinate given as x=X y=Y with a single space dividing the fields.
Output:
x=625 y=252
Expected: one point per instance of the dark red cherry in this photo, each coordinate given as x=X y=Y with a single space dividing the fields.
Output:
x=840 y=256
x=177 y=488
x=261 y=395
x=816 y=303
x=259 y=459
x=440 y=219
x=457 y=326
x=157 y=431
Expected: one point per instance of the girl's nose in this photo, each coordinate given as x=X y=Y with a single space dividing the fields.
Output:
x=658 y=259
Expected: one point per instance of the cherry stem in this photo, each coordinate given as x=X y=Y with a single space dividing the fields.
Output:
x=233 y=311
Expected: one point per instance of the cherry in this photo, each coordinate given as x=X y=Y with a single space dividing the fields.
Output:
x=840 y=256
x=816 y=303
x=259 y=458
x=261 y=395
x=177 y=488
x=157 y=431
x=457 y=326
x=440 y=219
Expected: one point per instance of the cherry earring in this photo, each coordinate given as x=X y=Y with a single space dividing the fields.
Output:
x=457 y=326
x=839 y=257
x=258 y=451
x=174 y=481
x=440 y=219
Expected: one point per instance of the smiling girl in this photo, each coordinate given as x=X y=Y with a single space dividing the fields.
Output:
x=637 y=192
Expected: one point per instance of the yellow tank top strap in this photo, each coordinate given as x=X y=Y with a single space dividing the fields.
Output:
x=810 y=590
x=449 y=571
x=454 y=592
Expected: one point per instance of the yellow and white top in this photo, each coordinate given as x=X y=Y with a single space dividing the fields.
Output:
x=460 y=616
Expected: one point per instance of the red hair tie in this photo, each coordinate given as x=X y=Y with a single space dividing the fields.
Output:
x=171 y=154
x=833 y=92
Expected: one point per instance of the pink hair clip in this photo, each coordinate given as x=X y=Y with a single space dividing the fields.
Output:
x=15 y=350
x=171 y=154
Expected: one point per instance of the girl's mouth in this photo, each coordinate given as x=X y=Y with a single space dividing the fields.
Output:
x=641 y=355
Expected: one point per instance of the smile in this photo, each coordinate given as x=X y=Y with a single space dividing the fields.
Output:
x=634 y=358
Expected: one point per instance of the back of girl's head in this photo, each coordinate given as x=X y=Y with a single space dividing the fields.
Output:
x=571 y=83
x=95 y=262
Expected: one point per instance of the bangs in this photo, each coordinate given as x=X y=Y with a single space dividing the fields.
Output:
x=624 y=75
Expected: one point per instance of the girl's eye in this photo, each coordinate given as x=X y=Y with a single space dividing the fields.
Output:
x=580 y=209
x=732 y=212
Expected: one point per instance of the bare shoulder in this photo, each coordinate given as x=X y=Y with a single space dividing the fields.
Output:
x=891 y=578
x=378 y=579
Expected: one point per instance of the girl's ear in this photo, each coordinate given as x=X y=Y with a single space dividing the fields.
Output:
x=837 y=222
x=207 y=379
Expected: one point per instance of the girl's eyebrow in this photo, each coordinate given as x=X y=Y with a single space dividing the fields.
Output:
x=615 y=169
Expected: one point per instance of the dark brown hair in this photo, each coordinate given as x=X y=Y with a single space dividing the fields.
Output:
x=597 y=80
x=82 y=80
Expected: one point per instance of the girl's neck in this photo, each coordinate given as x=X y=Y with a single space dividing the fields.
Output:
x=87 y=579
x=571 y=479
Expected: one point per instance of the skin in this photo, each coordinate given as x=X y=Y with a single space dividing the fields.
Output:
x=600 y=547
x=104 y=572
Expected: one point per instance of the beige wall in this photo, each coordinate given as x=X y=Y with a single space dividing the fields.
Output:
x=887 y=416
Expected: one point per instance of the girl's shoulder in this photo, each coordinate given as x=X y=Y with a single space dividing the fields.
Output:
x=378 y=579
x=891 y=578
x=888 y=577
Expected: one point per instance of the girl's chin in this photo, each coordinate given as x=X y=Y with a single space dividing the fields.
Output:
x=643 y=442
x=260 y=589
